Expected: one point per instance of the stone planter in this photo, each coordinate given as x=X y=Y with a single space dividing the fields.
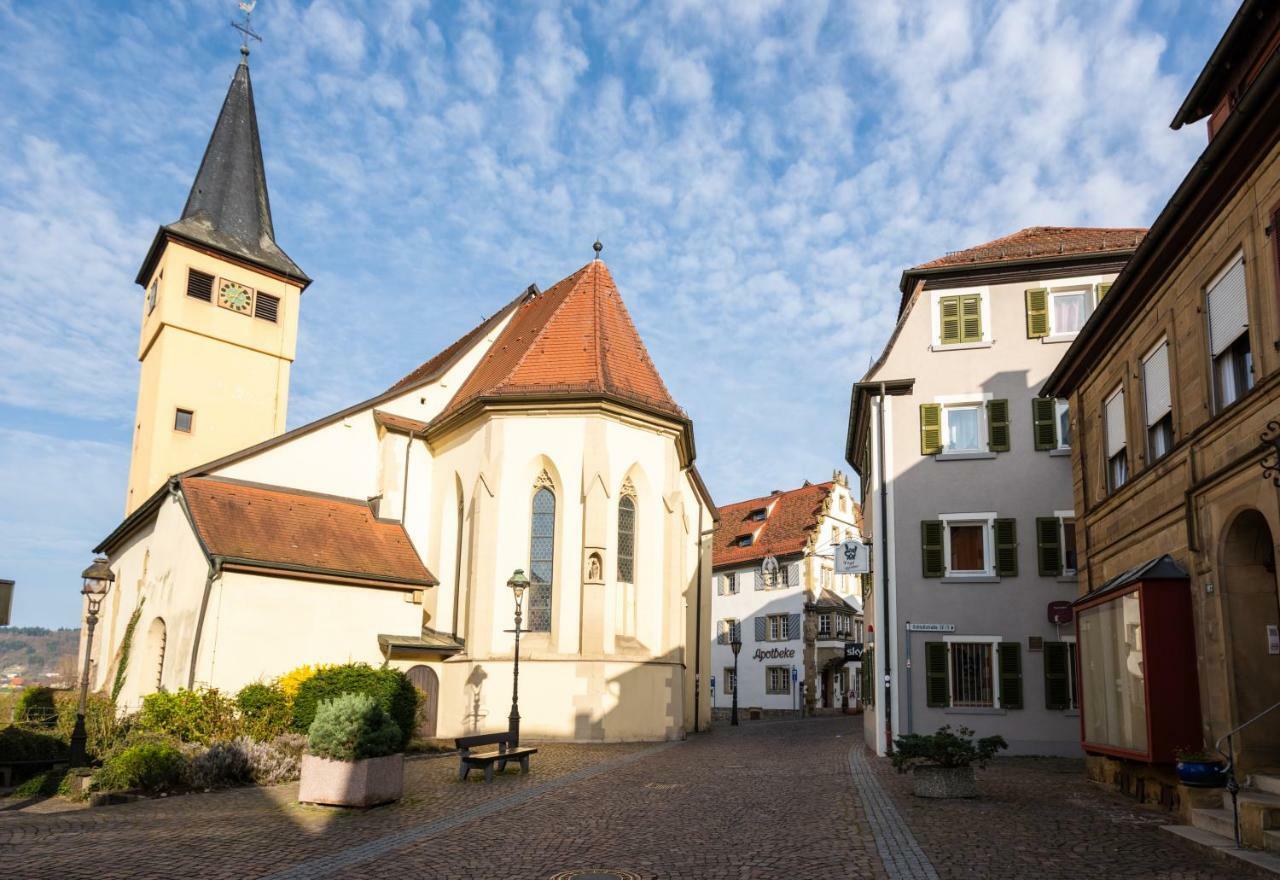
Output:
x=1202 y=774
x=363 y=783
x=932 y=781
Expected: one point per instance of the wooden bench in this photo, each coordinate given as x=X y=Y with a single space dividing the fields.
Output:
x=504 y=752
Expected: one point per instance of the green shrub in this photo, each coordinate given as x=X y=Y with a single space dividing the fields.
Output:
x=222 y=764
x=200 y=716
x=102 y=726
x=35 y=706
x=45 y=784
x=946 y=748
x=156 y=766
x=21 y=743
x=277 y=761
x=265 y=711
x=351 y=727
x=390 y=688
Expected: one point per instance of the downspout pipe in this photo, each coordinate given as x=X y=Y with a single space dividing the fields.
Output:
x=697 y=632
x=884 y=580
x=215 y=572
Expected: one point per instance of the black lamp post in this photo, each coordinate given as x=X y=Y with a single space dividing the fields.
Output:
x=518 y=583
x=97 y=583
x=736 y=645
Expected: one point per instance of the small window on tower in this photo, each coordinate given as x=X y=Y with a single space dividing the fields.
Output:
x=200 y=285
x=182 y=420
x=266 y=307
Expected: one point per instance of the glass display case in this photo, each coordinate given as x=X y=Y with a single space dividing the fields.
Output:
x=1137 y=664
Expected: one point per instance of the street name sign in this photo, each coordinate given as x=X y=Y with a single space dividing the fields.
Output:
x=931 y=627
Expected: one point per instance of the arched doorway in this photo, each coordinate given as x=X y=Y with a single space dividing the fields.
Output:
x=424 y=678
x=1252 y=604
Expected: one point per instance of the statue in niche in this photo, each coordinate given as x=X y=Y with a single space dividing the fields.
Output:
x=595 y=571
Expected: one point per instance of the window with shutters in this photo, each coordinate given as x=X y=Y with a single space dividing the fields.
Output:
x=962 y=428
x=777 y=679
x=1117 y=452
x=727 y=630
x=730 y=581
x=730 y=681
x=973 y=672
x=1056 y=544
x=541 y=556
x=1062 y=422
x=969 y=545
x=199 y=285
x=266 y=307
x=1226 y=303
x=959 y=319
x=1157 y=401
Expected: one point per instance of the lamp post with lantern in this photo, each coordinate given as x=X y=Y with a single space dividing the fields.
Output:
x=97 y=583
x=518 y=582
x=736 y=645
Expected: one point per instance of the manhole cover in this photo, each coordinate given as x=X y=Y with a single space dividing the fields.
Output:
x=596 y=875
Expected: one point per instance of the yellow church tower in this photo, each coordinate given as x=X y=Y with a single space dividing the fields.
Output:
x=220 y=315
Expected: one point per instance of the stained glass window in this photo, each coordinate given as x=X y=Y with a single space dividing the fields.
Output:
x=541 y=560
x=626 y=540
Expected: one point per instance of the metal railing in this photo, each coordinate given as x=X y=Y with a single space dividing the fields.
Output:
x=1233 y=785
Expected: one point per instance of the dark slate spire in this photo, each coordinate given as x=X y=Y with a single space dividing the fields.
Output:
x=228 y=208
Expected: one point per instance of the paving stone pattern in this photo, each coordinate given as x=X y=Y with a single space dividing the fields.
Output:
x=784 y=800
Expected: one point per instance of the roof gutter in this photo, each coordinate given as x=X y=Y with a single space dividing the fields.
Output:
x=1086 y=349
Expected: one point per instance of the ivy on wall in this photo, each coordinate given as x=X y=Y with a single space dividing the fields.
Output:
x=125 y=644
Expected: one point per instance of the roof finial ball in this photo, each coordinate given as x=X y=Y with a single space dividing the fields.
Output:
x=597 y=247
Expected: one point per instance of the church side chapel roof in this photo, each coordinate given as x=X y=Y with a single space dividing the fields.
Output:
x=228 y=208
x=791 y=516
x=576 y=337
x=270 y=526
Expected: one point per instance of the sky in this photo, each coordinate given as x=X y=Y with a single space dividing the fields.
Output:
x=759 y=173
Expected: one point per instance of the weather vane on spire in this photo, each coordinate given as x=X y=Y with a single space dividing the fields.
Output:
x=245 y=28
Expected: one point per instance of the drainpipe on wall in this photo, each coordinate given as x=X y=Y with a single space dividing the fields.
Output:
x=697 y=631
x=884 y=581
x=404 y=493
x=215 y=571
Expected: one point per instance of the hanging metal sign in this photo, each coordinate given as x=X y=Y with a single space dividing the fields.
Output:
x=852 y=557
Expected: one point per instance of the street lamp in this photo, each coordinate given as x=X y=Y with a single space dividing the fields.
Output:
x=736 y=645
x=518 y=582
x=97 y=583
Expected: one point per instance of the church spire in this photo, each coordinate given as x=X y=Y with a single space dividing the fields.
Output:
x=228 y=208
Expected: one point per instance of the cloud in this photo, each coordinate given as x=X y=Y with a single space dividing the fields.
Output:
x=759 y=173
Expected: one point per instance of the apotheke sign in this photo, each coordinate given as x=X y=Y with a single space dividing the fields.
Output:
x=774 y=654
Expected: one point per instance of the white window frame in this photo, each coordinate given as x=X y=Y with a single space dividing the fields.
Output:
x=975 y=399
x=824 y=618
x=1063 y=516
x=782 y=633
x=786 y=681
x=935 y=298
x=1219 y=404
x=730 y=583
x=988 y=521
x=1060 y=407
x=1112 y=485
x=1090 y=291
x=730 y=681
x=994 y=642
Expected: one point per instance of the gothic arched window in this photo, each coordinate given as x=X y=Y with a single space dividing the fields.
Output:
x=627 y=540
x=541 y=558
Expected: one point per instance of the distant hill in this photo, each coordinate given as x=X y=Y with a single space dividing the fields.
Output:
x=37 y=649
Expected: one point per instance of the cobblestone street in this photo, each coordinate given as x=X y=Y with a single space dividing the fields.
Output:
x=770 y=800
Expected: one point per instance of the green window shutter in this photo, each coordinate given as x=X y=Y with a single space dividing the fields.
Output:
x=1037 y=313
x=1048 y=546
x=931 y=548
x=869 y=677
x=930 y=428
x=949 y=320
x=971 y=318
x=1057 y=676
x=1010 y=675
x=1102 y=291
x=1006 y=534
x=998 y=425
x=1044 y=423
x=936 y=687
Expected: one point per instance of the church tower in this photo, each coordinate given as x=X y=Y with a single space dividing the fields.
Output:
x=220 y=315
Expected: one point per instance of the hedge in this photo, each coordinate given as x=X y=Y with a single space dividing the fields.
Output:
x=390 y=688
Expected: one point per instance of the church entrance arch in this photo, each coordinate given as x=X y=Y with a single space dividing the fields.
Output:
x=424 y=678
x=1252 y=606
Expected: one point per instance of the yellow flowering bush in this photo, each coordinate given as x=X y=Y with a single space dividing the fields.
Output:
x=292 y=680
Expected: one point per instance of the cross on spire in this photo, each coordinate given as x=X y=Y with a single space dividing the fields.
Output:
x=246 y=28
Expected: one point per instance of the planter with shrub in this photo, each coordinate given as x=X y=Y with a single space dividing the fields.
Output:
x=1200 y=769
x=390 y=689
x=353 y=756
x=942 y=763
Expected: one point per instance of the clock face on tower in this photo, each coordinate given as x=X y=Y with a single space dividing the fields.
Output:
x=235 y=297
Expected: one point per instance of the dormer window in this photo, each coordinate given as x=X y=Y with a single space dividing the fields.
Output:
x=758 y=515
x=744 y=541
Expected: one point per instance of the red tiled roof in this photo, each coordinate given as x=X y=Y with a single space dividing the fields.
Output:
x=792 y=515
x=1043 y=241
x=574 y=337
x=426 y=369
x=273 y=526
